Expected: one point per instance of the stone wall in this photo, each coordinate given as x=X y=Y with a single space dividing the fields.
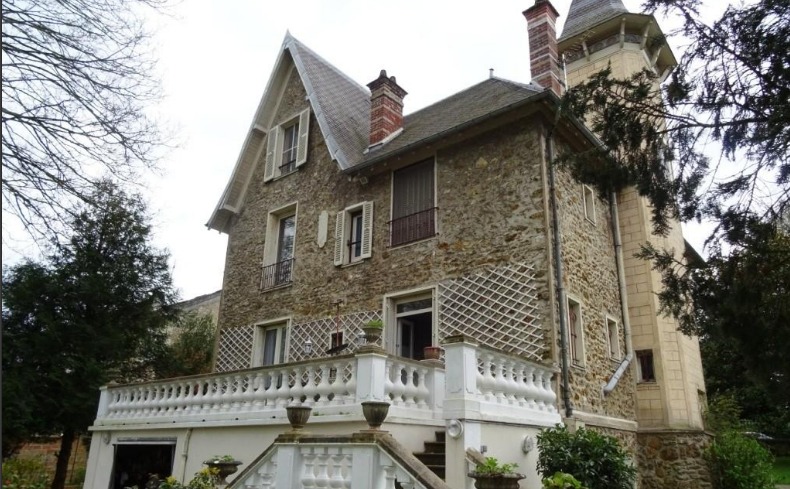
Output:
x=491 y=199
x=46 y=449
x=673 y=459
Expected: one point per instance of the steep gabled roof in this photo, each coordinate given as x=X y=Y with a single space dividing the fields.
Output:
x=341 y=107
x=464 y=107
x=586 y=14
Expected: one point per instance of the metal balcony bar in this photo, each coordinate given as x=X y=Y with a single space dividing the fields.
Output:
x=413 y=227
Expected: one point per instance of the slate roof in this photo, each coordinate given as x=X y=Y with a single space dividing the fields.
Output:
x=341 y=105
x=585 y=14
x=475 y=102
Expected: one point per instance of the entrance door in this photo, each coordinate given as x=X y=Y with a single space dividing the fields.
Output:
x=415 y=327
x=135 y=463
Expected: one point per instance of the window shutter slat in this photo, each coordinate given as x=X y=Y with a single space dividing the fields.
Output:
x=367 y=230
x=340 y=226
x=304 y=127
x=271 y=140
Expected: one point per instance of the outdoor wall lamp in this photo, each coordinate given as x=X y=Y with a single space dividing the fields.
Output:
x=308 y=347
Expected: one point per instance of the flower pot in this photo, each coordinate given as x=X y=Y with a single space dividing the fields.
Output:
x=372 y=334
x=224 y=469
x=298 y=416
x=432 y=352
x=375 y=413
x=500 y=481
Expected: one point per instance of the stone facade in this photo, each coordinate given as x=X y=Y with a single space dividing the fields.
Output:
x=673 y=459
x=493 y=211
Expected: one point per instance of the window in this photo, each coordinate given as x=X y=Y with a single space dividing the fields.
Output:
x=644 y=361
x=413 y=319
x=286 y=146
x=613 y=335
x=269 y=341
x=575 y=333
x=279 y=248
x=588 y=198
x=354 y=233
x=413 y=203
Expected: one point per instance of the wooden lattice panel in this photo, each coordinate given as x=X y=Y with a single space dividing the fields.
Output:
x=235 y=349
x=498 y=307
x=319 y=332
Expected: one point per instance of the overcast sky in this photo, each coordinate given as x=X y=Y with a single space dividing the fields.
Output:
x=215 y=59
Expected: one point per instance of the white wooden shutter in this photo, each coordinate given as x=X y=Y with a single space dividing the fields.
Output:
x=340 y=226
x=271 y=163
x=367 y=229
x=304 y=127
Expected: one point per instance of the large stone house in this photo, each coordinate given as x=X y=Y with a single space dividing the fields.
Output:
x=452 y=227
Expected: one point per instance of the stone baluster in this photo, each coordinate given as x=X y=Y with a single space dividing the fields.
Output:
x=398 y=383
x=350 y=385
x=487 y=383
x=423 y=394
x=308 y=475
x=283 y=389
x=322 y=478
x=311 y=387
x=512 y=384
x=532 y=391
x=500 y=382
x=298 y=389
x=337 y=481
x=324 y=388
x=270 y=388
x=412 y=391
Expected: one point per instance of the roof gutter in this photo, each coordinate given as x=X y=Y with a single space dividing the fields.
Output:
x=545 y=95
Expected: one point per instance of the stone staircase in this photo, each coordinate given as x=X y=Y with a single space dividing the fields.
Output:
x=433 y=456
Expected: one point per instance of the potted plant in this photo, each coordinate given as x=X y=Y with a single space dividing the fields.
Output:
x=224 y=465
x=432 y=352
x=373 y=330
x=494 y=475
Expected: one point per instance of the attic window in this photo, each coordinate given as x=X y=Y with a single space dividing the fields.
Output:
x=286 y=146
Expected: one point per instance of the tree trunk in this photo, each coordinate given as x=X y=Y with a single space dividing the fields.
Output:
x=64 y=454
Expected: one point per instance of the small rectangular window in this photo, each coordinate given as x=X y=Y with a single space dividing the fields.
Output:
x=575 y=332
x=644 y=360
x=613 y=335
x=588 y=197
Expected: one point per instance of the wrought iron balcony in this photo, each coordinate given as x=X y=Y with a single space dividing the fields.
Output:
x=413 y=227
x=277 y=275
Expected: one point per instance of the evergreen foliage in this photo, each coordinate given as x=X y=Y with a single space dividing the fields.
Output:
x=92 y=312
x=739 y=462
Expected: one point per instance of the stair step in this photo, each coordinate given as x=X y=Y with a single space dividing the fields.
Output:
x=440 y=436
x=434 y=446
x=430 y=458
x=439 y=470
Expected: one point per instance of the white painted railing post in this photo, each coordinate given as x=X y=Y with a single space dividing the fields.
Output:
x=371 y=375
x=434 y=381
x=104 y=402
x=460 y=365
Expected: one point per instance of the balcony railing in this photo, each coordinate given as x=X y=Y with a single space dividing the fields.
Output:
x=277 y=274
x=413 y=227
x=480 y=383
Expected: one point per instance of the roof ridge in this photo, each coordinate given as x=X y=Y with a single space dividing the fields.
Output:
x=289 y=38
x=585 y=14
x=505 y=81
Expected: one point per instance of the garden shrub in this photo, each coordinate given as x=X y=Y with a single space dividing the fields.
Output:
x=597 y=461
x=25 y=473
x=739 y=462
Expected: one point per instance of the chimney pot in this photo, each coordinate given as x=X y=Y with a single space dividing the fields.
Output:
x=386 y=107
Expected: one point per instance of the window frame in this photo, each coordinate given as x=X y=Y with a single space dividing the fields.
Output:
x=613 y=325
x=588 y=203
x=282 y=326
x=434 y=206
x=391 y=316
x=576 y=350
x=641 y=377
x=344 y=227
x=275 y=141
x=271 y=247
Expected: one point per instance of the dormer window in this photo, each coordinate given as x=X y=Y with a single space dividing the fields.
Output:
x=286 y=146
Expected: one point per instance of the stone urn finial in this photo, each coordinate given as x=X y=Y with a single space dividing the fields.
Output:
x=375 y=413
x=298 y=416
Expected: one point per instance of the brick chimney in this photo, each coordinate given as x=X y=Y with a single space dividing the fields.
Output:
x=386 y=107
x=543 y=58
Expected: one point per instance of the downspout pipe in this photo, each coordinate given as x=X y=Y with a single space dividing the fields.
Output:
x=618 y=251
x=555 y=223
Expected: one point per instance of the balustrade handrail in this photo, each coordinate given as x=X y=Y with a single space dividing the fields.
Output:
x=510 y=356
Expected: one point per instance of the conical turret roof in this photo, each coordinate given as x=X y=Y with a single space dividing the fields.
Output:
x=585 y=14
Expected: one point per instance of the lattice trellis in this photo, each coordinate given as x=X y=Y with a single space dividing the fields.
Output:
x=498 y=307
x=319 y=332
x=235 y=348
